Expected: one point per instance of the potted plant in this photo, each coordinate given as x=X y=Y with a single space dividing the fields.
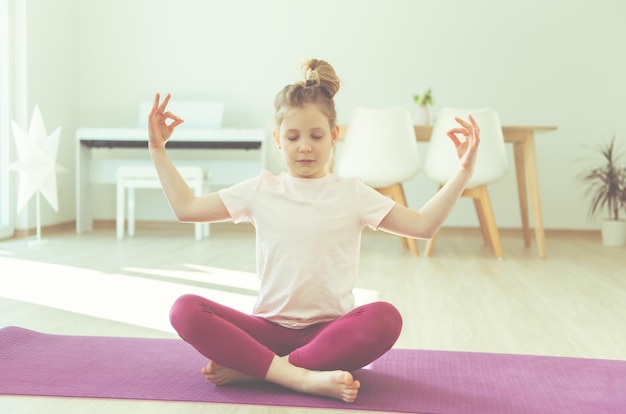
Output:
x=423 y=101
x=606 y=188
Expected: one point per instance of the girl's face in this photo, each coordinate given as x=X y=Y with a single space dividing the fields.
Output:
x=306 y=141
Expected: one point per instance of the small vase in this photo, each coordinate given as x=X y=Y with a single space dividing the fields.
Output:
x=422 y=115
x=614 y=233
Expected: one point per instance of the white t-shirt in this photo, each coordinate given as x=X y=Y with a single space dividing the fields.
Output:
x=308 y=239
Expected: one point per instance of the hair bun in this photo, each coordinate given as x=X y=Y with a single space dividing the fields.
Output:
x=318 y=88
x=320 y=73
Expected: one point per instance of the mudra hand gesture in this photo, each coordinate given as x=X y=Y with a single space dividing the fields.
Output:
x=159 y=130
x=467 y=148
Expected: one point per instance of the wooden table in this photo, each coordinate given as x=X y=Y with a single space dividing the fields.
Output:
x=523 y=140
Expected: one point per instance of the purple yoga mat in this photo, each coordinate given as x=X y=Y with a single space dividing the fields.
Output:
x=415 y=381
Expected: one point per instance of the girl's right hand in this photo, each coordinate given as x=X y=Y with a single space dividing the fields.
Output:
x=467 y=147
x=159 y=131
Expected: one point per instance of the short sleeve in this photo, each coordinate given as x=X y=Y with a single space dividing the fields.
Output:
x=238 y=199
x=373 y=206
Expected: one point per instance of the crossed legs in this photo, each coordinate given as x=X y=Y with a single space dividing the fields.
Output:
x=315 y=360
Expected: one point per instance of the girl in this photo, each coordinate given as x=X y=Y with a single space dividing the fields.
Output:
x=304 y=332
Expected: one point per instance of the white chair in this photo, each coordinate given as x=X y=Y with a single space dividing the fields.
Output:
x=132 y=177
x=380 y=148
x=491 y=165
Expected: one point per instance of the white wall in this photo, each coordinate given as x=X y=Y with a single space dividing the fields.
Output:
x=558 y=62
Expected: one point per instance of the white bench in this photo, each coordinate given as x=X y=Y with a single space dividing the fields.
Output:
x=131 y=177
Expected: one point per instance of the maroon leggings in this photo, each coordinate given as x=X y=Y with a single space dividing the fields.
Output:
x=248 y=343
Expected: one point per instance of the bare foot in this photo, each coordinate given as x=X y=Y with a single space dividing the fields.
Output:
x=221 y=375
x=335 y=384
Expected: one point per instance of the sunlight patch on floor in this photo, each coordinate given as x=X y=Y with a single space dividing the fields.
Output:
x=127 y=298
x=205 y=274
x=119 y=297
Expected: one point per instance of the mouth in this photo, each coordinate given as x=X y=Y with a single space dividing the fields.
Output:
x=305 y=162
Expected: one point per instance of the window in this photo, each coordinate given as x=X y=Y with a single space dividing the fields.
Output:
x=12 y=99
x=6 y=228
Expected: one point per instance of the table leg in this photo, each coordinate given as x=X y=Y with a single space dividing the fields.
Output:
x=520 y=172
x=533 y=188
x=84 y=221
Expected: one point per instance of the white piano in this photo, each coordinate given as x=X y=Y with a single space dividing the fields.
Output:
x=231 y=154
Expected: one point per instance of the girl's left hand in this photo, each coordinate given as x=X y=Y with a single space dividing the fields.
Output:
x=467 y=148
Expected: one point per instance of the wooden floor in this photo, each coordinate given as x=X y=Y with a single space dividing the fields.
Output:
x=573 y=303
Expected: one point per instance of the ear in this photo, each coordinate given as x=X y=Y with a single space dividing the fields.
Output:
x=276 y=138
x=334 y=135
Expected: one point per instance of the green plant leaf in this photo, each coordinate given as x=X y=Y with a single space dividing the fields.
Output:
x=606 y=184
x=425 y=99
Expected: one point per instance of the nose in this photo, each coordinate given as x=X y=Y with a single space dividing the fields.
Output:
x=305 y=146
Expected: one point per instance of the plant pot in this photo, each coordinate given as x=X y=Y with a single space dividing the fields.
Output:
x=422 y=115
x=614 y=233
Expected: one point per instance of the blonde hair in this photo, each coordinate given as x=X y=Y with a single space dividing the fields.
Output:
x=318 y=88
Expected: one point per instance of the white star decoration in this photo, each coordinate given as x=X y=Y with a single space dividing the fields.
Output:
x=36 y=165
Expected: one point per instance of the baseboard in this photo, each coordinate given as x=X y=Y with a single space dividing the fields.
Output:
x=517 y=232
x=228 y=226
x=53 y=228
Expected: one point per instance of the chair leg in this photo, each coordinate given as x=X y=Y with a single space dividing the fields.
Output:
x=488 y=227
x=131 y=211
x=396 y=192
x=490 y=221
x=119 y=217
x=483 y=223
x=480 y=214
x=206 y=227
x=197 y=184
x=430 y=245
